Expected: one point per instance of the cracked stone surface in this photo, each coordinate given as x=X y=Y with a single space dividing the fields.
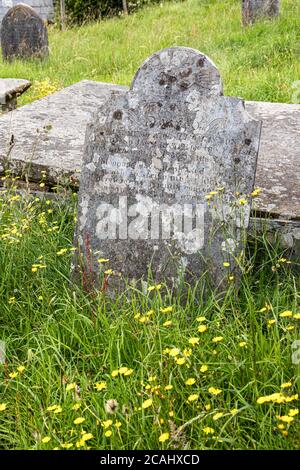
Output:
x=152 y=155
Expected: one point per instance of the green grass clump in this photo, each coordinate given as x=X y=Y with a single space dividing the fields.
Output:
x=257 y=63
x=176 y=369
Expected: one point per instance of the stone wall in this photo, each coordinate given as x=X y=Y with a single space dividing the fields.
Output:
x=44 y=8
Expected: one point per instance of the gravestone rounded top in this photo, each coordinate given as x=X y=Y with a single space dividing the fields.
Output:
x=23 y=34
x=177 y=70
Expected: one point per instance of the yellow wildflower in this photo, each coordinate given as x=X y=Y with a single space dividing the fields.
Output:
x=79 y=420
x=108 y=433
x=70 y=386
x=193 y=397
x=217 y=339
x=46 y=439
x=164 y=437
x=147 y=403
x=76 y=406
x=208 y=430
x=67 y=445
x=13 y=375
x=174 y=352
x=3 y=406
x=286 y=419
x=194 y=341
x=218 y=416
x=166 y=310
x=202 y=328
x=204 y=368
x=201 y=319
x=100 y=386
x=286 y=313
x=168 y=387
x=180 y=361
x=214 y=391
x=106 y=424
x=187 y=352
x=190 y=381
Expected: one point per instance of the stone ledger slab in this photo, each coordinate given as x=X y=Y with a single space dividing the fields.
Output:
x=10 y=89
x=49 y=135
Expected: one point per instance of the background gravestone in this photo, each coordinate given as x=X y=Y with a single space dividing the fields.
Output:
x=152 y=156
x=23 y=34
x=44 y=8
x=255 y=9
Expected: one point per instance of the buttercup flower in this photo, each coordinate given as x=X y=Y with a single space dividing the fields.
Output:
x=193 y=397
x=202 y=328
x=180 y=361
x=164 y=437
x=194 y=341
x=208 y=430
x=190 y=381
x=70 y=387
x=100 y=386
x=147 y=403
x=217 y=339
x=214 y=391
x=79 y=420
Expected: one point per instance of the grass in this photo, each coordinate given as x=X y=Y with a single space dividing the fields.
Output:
x=258 y=63
x=66 y=350
x=72 y=356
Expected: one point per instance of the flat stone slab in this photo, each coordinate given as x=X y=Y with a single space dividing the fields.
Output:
x=278 y=171
x=48 y=135
x=11 y=88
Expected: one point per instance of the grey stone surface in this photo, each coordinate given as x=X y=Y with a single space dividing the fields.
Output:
x=151 y=158
x=23 y=34
x=10 y=90
x=44 y=8
x=278 y=172
x=253 y=10
x=49 y=135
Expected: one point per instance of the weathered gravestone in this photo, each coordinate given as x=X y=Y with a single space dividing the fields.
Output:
x=163 y=165
x=255 y=9
x=23 y=34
